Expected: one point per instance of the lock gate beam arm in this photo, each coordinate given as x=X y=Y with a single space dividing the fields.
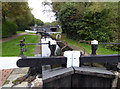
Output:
x=37 y=62
x=111 y=59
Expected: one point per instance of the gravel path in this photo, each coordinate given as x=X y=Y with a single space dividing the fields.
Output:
x=12 y=37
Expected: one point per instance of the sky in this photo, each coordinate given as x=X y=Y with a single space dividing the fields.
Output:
x=38 y=10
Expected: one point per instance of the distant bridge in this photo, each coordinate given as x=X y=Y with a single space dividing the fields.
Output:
x=46 y=28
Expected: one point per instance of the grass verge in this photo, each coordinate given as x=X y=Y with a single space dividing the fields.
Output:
x=10 y=48
x=18 y=32
x=100 y=51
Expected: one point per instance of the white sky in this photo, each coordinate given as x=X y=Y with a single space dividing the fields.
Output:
x=38 y=8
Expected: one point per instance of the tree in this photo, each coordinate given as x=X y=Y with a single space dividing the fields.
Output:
x=39 y=22
x=18 y=12
x=14 y=9
x=54 y=23
x=89 y=20
x=69 y=16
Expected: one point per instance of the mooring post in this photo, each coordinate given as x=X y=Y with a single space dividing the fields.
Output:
x=94 y=46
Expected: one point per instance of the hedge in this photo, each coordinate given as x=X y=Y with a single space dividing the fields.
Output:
x=8 y=29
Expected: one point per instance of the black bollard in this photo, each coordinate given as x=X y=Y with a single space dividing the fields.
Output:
x=52 y=48
x=94 y=46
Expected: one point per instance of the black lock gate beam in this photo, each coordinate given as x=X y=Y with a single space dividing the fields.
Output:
x=38 y=62
x=111 y=59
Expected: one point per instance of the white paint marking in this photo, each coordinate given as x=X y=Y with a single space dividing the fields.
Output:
x=53 y=42
x=8 y=62
x=53 y=32
x=58 y=35
x=76 y=55
x=68 y=54
x=72 y=58
x=46 y=32
x=45 y=49
x=94 y=42
x=30 y=31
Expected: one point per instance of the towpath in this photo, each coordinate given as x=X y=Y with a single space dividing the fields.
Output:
x=12 y=37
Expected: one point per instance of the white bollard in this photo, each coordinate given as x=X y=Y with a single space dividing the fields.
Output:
x=58 y=35
x=45 y=49
x=53 y=42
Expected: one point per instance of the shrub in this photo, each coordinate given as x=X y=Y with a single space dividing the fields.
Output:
x=79 y=22
x=95 y=26
x=23 y=28
x=8 y=29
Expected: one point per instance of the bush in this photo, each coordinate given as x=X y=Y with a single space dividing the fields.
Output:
x=70 y=16
x=23 y=28
x=95 y=26
x=86 y=26
x=80 y=23
x=8 y=29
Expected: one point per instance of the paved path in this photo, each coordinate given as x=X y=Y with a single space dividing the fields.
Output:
x=12 y=37
x=17 y=73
